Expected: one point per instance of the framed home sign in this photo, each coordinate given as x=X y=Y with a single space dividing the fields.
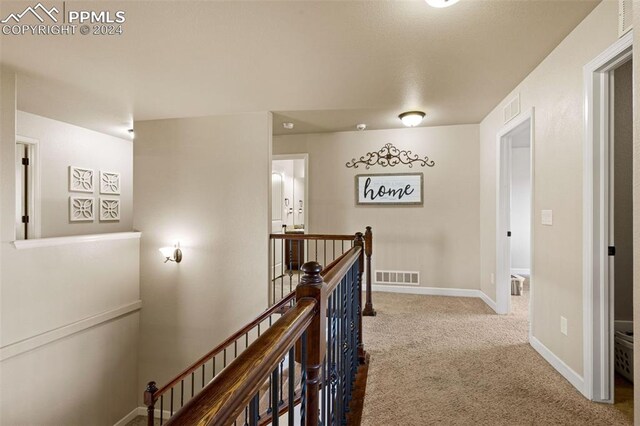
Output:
x=390 y=189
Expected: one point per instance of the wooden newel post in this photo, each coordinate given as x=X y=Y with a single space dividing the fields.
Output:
x=368 y=251
x=150 y=401
x=359 y=241
x=312 y=286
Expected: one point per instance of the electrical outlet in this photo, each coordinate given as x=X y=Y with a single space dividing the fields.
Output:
x=547 y=217
x=563 y=325
x=493 y=278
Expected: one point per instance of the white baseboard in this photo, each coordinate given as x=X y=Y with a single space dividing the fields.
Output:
x=436 y=291
x=572 y=377
x=521 y=271
x=126 y=419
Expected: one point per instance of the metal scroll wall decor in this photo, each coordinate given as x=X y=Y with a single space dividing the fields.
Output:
x=389 y=156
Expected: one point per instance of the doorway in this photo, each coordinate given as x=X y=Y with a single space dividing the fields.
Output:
x=514 y=284
x=606 y=180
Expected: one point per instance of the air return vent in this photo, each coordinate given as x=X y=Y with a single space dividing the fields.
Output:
x=398 y=277
x=624 y=16
x=512 y=109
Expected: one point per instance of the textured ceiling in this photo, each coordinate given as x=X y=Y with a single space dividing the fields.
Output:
x=324 y=65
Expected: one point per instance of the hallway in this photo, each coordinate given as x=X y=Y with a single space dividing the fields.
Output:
x=450 y=360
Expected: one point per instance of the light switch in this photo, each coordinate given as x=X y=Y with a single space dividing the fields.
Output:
x=547 y=217
x=563 y=325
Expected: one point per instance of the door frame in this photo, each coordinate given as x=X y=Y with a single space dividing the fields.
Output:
x=34 y=227
x=503 y=212
x=597 y=292
x=304 y=157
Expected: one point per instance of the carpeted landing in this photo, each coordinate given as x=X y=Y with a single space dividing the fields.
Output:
x=452 y=361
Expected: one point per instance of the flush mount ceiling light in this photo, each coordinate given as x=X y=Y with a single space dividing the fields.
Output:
x=441 y=3
x=361 y=126
x=411 y=118
x=287 y=125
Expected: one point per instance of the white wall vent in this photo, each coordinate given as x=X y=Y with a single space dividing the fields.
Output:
x=398 y=277
x=512 y=109
x=624 y=16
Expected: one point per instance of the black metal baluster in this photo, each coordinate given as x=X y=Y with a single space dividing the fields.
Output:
x=203 y=371
x=235 y=349
x=334 y=250
x=161 y=409
x=281 y=400
x=275 y=418
x=181 y=392
x=292 y=385
x=246 y=416
x=224 y=358
x=282 y=269
x=193 y=375
x=342 y=247
x=254 y=408
x=172 y=401
x=316 y=259
x=213 y=373
x=303 y=379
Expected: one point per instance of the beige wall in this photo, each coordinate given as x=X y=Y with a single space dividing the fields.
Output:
x=439 y=239
x=62 y=145
x=555 y=89
x=48 y=291
x=205 y=182
x=623 y=194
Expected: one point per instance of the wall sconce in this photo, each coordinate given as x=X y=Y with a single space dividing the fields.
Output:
x=172 y=254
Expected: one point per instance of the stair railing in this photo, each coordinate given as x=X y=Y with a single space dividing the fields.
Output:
x=162 y=403
x=320 y=335
x=288 y=251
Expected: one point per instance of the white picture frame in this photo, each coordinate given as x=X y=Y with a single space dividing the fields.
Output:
x=110 y=183
x=394 y=189
x=81 y=209
x=81 y=179
x=109 y=209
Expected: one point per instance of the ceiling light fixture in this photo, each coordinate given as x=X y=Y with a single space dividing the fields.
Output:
x=287 y=125
x=361 y=126
x=441 y=3
x=411 y=118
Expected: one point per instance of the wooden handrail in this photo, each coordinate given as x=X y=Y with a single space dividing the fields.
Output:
x=224 y=398
x=311 y=237
x=338 y=271
x=227 y=342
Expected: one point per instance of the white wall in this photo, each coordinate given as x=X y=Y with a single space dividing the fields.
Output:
x=439 y=239
x=49 y=295
x=520 y=209
x=555 y=89
x=62 y=145
x=205 y=182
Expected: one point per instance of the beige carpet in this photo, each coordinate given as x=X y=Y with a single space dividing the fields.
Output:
x=451 y=361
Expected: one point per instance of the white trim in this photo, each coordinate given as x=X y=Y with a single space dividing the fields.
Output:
x=47 y=337
x=520 y=271
x=166 y=414
x=567 y=372
x=305 y=157
x=126 y=419
x=35 y=197
x=597 y=325
x=75 y=239
x=503 y=267
x=435 y=291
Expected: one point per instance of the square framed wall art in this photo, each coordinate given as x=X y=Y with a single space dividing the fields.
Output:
x=109 y=183
x=80 y=179
x=109 y=209
x=81 y=209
